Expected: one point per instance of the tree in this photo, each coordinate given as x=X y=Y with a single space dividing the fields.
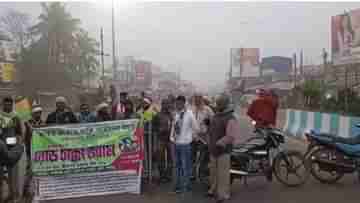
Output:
x=311 y=90
x=84 y=61
x=16 y=25
x=59 y=28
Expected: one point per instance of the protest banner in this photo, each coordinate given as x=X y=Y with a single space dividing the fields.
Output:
x=87 y=159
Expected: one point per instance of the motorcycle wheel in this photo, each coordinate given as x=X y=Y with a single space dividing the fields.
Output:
x=290 y=162
x=317 y=167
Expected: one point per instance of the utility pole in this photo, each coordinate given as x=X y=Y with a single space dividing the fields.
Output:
x=231 y=64
x=295 y=69
x=102 y=54
x=113 y=40
x=301 y=63
x=240 y=62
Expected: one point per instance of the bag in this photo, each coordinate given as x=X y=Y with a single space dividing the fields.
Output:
x=10 y=156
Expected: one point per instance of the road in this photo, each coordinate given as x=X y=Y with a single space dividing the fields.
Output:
x=257 y=191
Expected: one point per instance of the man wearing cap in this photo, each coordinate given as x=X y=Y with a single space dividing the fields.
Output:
x=35 y=122
x=224 y=129
x=62 y=115
x=147 y=112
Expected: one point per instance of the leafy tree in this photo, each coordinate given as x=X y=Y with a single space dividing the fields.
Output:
x=16 y=25
x=85 y=57
x=311 y=90
x=59 y=28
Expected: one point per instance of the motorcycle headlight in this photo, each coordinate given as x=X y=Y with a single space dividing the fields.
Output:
x=11 y=140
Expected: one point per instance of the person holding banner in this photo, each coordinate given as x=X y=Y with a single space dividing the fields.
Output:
x=85 y=116
x=35 y=122
x=62 y=115
x=102 y=113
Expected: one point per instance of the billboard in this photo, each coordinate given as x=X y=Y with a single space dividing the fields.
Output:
x=235 y=61
x=143 y=74
x=345 y=37
x=249 y=62
x=7 y=72
x=277 y=64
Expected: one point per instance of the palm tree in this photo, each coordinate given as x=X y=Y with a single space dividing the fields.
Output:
x=58 y=27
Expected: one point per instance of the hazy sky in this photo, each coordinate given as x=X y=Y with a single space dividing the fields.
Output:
x=196 y=37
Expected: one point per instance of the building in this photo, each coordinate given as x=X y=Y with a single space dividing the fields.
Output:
x=276 y=68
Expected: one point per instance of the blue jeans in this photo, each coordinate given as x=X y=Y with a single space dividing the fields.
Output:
x=183 y=166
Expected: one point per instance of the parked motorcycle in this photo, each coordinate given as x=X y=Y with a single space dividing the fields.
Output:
x=329 y=157
x=263 y=155
x=201 y=162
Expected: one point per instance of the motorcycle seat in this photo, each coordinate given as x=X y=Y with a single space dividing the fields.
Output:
x=350 y=140
x=337 y=139
x=250 y=144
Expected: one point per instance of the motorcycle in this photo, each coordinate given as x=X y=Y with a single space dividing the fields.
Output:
x=263 y=155
x=330 y=157
x=201 y=162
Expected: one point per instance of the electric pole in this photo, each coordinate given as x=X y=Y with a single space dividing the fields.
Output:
x=102 y=53
x=295 y=69
x=231 y=64
x=113 y=40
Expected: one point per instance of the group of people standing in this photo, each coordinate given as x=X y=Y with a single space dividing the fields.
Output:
x=63 y=114
x=181 y=124
x=178 y=126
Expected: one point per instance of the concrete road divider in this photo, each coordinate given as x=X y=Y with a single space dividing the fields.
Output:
x=297 y=122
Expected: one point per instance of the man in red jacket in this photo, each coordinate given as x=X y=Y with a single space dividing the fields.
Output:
x=263 y=110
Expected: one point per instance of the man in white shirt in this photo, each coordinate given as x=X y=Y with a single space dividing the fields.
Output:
x=185 y=126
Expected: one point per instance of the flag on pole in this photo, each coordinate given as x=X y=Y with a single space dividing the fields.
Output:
x=23 y=108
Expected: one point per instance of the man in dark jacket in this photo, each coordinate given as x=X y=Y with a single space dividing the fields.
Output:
x=224 y=128
x=62 y=115
x=162 y=129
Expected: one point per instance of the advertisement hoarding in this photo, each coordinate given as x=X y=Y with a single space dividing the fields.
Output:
x=235 y=61
x=7 y=72
x=277 y=64
x=345 y=37
x=250 y=62
x=143 y=74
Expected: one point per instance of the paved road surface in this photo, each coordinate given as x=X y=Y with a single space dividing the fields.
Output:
x=257 y=191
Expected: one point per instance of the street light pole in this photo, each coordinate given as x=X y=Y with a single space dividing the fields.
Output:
x=113 y=40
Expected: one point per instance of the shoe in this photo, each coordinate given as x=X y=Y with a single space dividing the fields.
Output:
x=220 y=201
x=209 y=195
x=177 y=191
